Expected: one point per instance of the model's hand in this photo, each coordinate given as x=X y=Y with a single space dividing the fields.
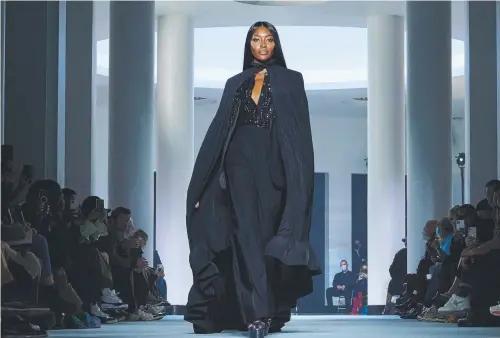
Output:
x=197 y=205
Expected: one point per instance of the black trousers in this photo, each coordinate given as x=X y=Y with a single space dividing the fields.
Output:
x=334 y=292
x=256 y=208
x=89 y=274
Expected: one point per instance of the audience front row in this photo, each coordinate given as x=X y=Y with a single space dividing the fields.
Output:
x=71 y=266
x=458 y=280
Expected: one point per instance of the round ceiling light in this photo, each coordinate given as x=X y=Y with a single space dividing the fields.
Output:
x=279 y=2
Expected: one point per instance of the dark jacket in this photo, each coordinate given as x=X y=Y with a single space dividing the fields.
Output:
x=347 y=279
x=398 y=268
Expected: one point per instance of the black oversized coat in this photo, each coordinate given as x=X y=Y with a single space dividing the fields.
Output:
x=209 y=225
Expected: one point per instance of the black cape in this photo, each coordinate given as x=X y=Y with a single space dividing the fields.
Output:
x=209 y=225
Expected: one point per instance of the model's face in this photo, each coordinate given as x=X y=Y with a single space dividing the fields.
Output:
x=262 y=44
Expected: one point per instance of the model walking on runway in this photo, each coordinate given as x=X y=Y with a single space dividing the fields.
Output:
x=250 y=198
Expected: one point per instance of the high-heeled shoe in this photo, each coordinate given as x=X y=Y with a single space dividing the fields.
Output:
x=258 y=329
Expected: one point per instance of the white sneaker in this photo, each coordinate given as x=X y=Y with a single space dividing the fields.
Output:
x=110 y=300
x=144 y=316
x=456 y=305
x=155 y=310
x=103 y=316
x=495 y=310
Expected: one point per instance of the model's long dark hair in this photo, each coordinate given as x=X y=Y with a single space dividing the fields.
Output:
x=278 y=57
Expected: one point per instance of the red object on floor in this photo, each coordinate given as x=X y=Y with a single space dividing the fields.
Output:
x=360 y=300
x=355 y=308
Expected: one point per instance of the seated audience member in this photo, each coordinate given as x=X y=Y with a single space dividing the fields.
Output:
x=144 y=279
x=342 y=285
x=360 y=289
x=44 y=207
x=467 y=219
x=409 y=304
x=92 y=277
x=441 y=274
x=127 y=264
x=42 y=203
x=397 y=271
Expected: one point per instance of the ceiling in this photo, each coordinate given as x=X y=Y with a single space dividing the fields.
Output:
x=229 y=13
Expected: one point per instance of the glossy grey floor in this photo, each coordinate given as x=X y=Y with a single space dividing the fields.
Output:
x=299 y=327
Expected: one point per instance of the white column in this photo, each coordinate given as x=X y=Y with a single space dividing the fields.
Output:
x=386 y=150
x=80 y=100
x=480 y=98
x=429 y=157
x=175 y=158
x=131 y=107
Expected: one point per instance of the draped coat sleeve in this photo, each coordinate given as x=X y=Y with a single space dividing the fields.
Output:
x=291 y=244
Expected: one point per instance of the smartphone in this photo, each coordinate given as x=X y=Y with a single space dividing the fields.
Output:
x=99 y=205
x=472 y=232
x=73 y=205
x=7 y=152
x=460 y=224
x=28 y=172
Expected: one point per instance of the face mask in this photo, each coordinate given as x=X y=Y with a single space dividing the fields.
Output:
x=424 y=236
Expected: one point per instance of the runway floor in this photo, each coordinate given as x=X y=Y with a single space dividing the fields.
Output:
x=300 y=327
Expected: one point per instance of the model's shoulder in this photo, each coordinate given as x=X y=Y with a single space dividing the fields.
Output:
x=292 y=73
x=236 y=79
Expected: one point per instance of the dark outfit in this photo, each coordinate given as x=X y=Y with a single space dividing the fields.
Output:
x=397 y=271
x=348 y=279
x=253 y=179
x=482 y=277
